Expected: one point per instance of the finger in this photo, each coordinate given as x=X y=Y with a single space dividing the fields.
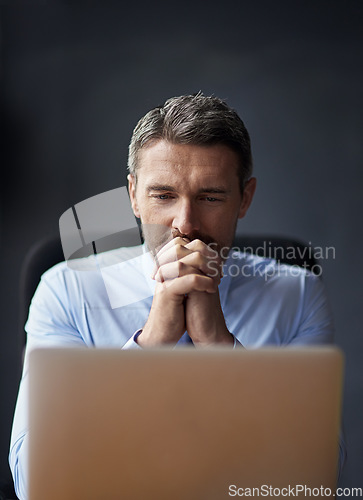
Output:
x=190 y=264
x=207 y=250
x=215 y=262
x=193 y=253
x=170 y=253
x=171 y=244
x=188 y=284
x=180 y=247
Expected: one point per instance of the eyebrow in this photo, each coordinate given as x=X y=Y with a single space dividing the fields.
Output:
x=172 y=189
x=160 y=187
x=215 y=190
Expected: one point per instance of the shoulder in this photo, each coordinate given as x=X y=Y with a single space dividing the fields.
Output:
x=73 y=271
x=289 y=303
x=89 y=269
x=95 y=280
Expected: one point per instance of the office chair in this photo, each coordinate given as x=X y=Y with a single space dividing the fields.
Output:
x=7 y=491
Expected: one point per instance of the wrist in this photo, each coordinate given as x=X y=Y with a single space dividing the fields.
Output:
x=222 y=337
x=159 y=331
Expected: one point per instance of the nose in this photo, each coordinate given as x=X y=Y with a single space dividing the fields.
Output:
x=186 y=219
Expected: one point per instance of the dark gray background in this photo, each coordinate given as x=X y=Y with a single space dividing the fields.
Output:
x=76 y=78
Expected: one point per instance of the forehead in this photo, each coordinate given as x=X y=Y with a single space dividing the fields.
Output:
x=188 y=161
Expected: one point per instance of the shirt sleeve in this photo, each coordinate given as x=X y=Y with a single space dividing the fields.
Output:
x=131 y=343
x=50 y=323
x=18 y=456
x=236 y=343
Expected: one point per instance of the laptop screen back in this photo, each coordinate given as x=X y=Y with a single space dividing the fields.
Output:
x=181 y=424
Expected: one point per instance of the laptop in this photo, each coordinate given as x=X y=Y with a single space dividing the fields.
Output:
x=182 y=424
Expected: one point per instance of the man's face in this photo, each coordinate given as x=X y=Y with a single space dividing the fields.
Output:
x=189 y=191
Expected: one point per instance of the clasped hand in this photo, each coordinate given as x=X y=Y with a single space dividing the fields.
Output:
x=187 y=275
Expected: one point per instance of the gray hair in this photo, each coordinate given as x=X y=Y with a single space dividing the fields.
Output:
x=193 y=119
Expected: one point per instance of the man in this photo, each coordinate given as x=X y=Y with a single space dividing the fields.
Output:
x=190 y=181
x=198 y=188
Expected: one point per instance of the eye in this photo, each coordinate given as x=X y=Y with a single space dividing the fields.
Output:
x=211 y=199
x=161 y=197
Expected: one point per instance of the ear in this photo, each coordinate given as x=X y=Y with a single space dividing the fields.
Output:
x=132 y=192
x=248 y=192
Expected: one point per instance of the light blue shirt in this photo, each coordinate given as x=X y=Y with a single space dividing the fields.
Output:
x=263 y=304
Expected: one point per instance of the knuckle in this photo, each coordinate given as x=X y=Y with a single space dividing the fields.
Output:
x=195 y=279
x=199 y=245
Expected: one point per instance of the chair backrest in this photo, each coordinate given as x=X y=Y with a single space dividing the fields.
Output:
x=48 y=252
x=283 y=250
x=7 y=491
x=41 y=256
